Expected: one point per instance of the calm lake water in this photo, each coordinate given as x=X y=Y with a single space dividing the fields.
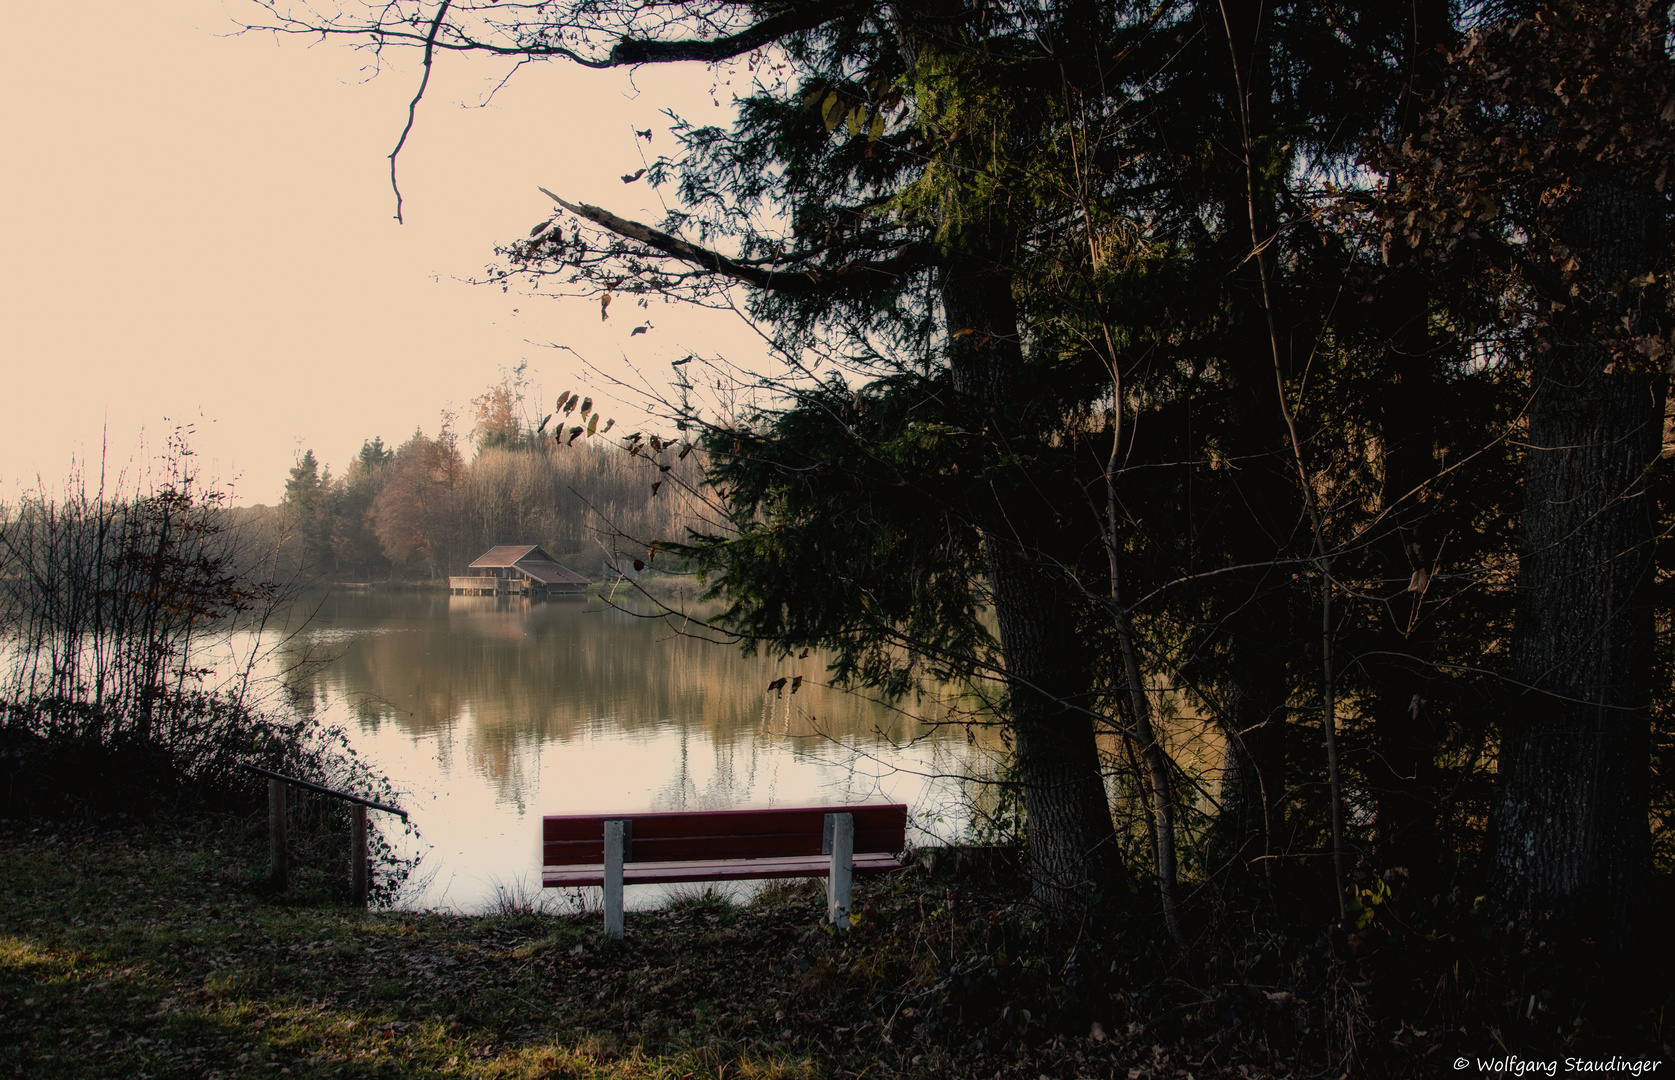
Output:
x=488 y=712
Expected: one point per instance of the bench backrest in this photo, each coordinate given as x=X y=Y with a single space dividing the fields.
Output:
x=579 y=839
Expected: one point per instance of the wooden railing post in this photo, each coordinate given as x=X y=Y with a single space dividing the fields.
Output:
x=276 y=833
x=359 y=868
x=613 y=879
x=838 y=878
x=357 y=855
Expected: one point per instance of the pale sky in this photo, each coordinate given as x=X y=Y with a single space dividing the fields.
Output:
x=199 y=228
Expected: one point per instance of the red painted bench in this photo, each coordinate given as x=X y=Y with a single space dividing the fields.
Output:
x=722 y=845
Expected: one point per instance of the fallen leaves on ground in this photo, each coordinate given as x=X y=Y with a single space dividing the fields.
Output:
x=152 y=953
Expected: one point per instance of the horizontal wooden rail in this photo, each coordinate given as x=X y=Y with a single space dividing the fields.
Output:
x=358 y=875
x=344 y=795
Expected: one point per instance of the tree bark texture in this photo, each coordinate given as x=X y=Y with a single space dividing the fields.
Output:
x=1401 y=770
x=1252 y=822
x=1570 y=834
x=1265 y=513
x=1072 y=845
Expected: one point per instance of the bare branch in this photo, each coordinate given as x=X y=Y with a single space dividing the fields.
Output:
x=627 y=51
x=908 y=259
x=413 y=106
x=769 y=30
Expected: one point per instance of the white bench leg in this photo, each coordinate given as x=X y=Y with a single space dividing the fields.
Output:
x=842 y=869
x=613 y=879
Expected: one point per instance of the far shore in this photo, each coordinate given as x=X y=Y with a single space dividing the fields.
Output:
x=660 y=586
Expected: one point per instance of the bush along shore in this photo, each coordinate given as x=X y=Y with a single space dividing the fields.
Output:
x=157 y=950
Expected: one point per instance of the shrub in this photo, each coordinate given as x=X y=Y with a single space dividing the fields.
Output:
x=121 y=690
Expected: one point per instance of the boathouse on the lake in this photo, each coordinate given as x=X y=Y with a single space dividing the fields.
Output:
x=518 y=568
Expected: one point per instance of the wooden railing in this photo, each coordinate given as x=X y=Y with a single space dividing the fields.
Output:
x=277 y=839
x=482 y=583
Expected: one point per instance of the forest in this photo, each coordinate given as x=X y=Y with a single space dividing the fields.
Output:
x=1305 y=363
x=423 y=510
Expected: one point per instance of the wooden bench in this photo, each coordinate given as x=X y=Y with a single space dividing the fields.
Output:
x=722 y=845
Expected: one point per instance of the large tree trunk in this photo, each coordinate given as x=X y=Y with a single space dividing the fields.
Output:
x=1252 y=821
x=1401 y=770
x=1400 y=654
x=1570 y=833
x=1266 y=513
x=1072 y=848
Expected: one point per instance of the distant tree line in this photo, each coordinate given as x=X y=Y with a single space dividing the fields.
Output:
x=423 y=510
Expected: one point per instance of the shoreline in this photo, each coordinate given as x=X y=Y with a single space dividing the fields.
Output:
x=667 y=587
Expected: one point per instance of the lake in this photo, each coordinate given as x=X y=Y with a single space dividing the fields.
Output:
x=487 y=713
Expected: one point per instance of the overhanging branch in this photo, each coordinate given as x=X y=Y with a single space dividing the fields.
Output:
x=413 y=106
x=627 y=51
x=769 y=30
x=908 y=259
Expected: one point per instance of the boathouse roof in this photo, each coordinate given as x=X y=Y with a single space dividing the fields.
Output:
x=551 y=573
x=530 y=561
x=511 y=555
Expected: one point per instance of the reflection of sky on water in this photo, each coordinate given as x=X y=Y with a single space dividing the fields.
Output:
x=489 y=713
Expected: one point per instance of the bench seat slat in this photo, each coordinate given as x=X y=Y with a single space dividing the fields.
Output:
x=715 y=836
x=664 y=823
x=723 y=870
x=679 y=823
x=714 y=848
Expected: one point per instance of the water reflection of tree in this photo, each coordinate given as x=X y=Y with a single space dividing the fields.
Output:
x=516 y=676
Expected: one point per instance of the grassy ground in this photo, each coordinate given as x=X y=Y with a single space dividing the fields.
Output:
x=156 y=951
x=153 y=951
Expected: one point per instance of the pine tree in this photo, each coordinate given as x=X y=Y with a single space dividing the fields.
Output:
x=306 y=514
